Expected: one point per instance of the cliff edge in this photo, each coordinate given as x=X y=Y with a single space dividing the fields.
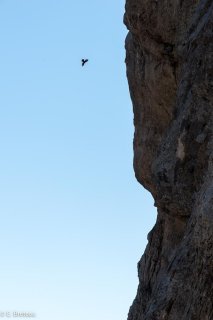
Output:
x=169 y=56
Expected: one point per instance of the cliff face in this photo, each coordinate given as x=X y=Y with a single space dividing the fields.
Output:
x=169 y=56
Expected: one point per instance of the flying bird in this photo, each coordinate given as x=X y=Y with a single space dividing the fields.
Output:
x=83 y=61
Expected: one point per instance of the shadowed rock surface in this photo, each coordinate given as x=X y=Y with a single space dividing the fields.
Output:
x=169 y=56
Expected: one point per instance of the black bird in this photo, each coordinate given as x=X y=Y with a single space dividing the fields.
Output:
x=83 y=61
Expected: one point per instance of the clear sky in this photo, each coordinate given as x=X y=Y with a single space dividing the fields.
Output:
x=74 y=220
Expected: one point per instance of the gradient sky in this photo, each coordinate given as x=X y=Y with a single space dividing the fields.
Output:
x=74 y=220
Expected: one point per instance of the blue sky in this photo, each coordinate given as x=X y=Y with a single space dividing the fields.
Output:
x=74 y=220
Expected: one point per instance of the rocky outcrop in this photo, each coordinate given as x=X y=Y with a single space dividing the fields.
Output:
x=169 y=55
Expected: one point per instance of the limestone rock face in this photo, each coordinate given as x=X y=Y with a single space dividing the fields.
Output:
x=169 y=57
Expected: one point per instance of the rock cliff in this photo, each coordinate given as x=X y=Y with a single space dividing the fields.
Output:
x=169 y=55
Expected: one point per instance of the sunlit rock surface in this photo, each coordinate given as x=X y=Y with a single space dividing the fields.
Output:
x=169 y=57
